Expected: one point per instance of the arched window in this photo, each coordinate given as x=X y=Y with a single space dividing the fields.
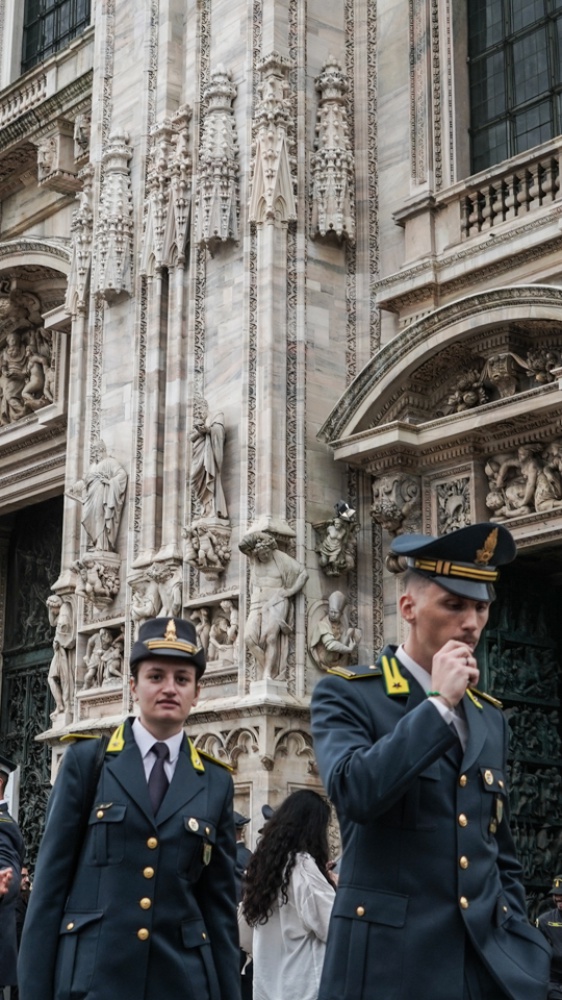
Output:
x=49 y=25
x=515 y=67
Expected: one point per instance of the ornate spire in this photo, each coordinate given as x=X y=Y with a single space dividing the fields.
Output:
x=217 y=205
x=273 y=183
x=333 y=208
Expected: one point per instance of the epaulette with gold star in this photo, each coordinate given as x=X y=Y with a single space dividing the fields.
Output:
x=355 y=673
x=78 y=736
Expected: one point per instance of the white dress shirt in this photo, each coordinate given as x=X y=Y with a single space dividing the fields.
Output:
x=145 y=741
x=450 y=715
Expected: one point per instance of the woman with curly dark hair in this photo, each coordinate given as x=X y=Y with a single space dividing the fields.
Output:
x=288 y=899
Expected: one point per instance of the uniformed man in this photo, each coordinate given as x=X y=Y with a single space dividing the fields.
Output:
x=550 y=923
x=11 y=860
x=429 y=903
x=149 y=911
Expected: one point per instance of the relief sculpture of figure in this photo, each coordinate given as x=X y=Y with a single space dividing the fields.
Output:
x=275 y=578
x=331 y=641
x=60 y=677
x=13 y=376
x=208 y=438
x=102 y=494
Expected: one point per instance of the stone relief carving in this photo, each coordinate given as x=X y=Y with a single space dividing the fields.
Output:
x=158 y=188
x=507 y=373
x=156 y=594
x=81 y=136
x=180 y=171
x=98 y=577
x=217 y=631
x=526 y=482
x=103 y=659
x=332 y=642
x=102 y=495
x=207 y=547
x=61 y=669
x=397 y=503
x=333 y=165
x=114 y=236
x=169 y=192
x=272 y=179
x=337 y=545
x=27 y=359
x=453 y=505
x=275 y=578
x=82 y=232
x=216 y=203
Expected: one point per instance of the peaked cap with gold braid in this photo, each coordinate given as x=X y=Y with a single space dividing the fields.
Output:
x=463 y=562
x=168 y=637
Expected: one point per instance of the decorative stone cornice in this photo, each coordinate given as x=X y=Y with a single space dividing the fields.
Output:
x=114 y=235
x=24 y=112
x=217 y=200
x=273 y=197
x=333 y=164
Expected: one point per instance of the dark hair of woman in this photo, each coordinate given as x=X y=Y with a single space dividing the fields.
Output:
x=299 y=825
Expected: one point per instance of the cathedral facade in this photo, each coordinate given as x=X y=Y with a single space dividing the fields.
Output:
x=278 y=281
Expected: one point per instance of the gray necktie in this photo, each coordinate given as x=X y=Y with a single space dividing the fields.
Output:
x=158 y=779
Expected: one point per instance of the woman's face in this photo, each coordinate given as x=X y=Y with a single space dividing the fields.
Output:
x=166 y=690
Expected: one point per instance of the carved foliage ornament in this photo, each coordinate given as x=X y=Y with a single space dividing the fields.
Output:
x=333 y=208
x=505 y=373
x=216 y=203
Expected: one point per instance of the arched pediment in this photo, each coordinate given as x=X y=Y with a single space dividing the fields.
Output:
x=493 y=338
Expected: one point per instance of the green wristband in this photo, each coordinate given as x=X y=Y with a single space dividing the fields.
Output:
x=434 y=694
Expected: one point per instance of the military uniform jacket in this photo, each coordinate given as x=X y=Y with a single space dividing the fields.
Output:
x=550 y=923
x=428 y=856
x=11 y=856
x=151 y=911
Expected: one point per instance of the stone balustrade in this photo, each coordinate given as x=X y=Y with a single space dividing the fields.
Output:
x=509 y=194
x=20 y=99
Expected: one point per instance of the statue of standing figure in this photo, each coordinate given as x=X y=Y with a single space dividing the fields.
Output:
x=275 y=578
x=208 y=437
x=332 y=642
x=101 y=493
x=60 y=677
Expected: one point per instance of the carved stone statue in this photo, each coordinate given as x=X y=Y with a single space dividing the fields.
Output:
x=332 y=642
x=102 y=493
x=223 y=636
x=98 y=645
x=397 y=503
x=168 y=580
x=208 y=546
x=13 y=375
x=145 y=601
x=208 y=439
x=336 y=547
x=275 y=578
x=200 y=618
x=97 y=582
x=61 y=677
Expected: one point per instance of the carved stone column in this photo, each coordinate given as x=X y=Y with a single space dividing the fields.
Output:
x=272 y=207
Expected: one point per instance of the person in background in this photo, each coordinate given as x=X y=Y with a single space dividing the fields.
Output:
x=243 y=858
x=550 y=923
x=288 y=899
x=430 y=903
x=11 y=860
x=146 y=910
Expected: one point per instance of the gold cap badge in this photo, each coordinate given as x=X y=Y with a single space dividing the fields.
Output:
x=483 y=555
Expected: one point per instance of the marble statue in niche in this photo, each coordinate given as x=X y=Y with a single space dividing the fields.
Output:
x=275 y=578
x=26 y=376
x=61 y=674
x=201 y=619
x=207 y=547
x=332 y=642
x=222 y=647
x=167 y=578
x=208 y=437
x=97 y=582
x=337 y=544
x=102 y=494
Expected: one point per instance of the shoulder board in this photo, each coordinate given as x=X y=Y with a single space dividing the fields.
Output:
x=117 y=739
x=395 y=683
x=214 y=760
x=553 y=923
x=487 y=697
x=355 y=673
x=78 y=736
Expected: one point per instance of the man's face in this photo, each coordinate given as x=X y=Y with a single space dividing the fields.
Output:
x=558 y=902
x=166 y=690
x=435 y=616
x=25 y=883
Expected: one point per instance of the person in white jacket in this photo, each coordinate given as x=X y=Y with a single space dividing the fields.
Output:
x=288 y=900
